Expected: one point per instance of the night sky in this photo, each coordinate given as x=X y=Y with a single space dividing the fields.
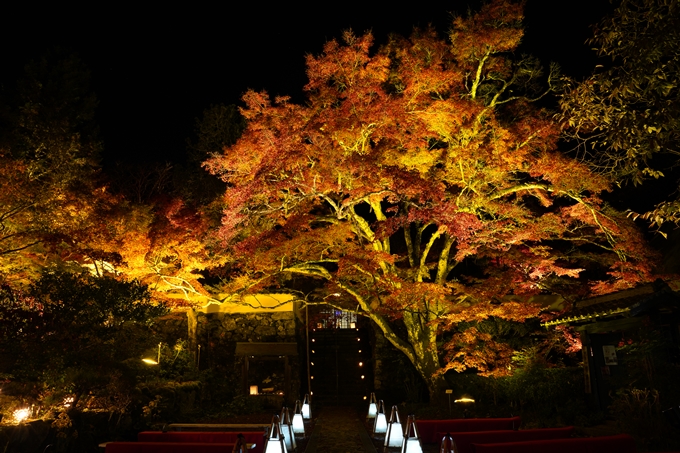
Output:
x=155 y=70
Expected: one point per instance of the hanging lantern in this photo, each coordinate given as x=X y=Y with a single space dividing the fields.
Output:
x=411 y=437
x=372 y=407
x=287 y=430
x=448 y=445
x=306 y=407
x=275 y=442
x=298 y=423
x=394 y=436
x=380 y=423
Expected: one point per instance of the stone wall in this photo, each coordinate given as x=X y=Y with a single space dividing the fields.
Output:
x=235 y=327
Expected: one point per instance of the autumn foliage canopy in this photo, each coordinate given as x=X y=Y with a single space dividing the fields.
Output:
x=422 y=184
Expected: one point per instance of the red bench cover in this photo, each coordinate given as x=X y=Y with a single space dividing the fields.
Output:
x=464 y=441
x=428 y=429
x=205 y=437
x=168 y=447
x=621 y=443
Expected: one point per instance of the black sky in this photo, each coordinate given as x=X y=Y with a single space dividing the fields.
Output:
x=155 y=69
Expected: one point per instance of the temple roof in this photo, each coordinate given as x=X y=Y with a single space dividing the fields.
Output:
x=627 y=303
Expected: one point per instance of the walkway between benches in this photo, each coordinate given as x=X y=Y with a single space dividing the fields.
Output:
x=339 y=430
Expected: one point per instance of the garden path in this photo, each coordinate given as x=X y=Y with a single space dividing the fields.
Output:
x=339 y=430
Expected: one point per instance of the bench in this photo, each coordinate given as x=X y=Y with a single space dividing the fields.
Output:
x=168 y=447
x=428 y=429
x=205 y=437
x=218 y=426
x=621 y=443
x=464 y=441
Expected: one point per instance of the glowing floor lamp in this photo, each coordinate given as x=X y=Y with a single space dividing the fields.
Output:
x=306 y=407
x=372 y=407
x=287 y=429
x=411 y=438
x=298 y=423
x=275 y=442
x=394 y=436
x=448 y=445
x=380 y=423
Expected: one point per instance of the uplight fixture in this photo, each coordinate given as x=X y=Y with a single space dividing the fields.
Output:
x=149 y=361
x=21 y=415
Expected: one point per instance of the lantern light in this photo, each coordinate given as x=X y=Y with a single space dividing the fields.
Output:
x=448 y=445
x=372 y=406
x=287 y=429
x=380 y=423
x=411 y=438
x=395 y=435
x=21 y=414
x=253 y=390
x=306 y=407
x=298 y=423
x=275 y=442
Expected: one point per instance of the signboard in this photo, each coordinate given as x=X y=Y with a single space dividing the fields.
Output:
x=609 y=352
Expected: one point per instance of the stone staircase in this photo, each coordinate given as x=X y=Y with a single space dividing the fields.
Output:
x=341 y=370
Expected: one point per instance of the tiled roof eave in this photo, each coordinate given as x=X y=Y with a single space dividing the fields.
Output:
x=586 y=316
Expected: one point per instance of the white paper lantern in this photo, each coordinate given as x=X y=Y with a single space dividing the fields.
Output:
x=372 y=407
x=448 y=445
x=380 y=423
x=306 y=409
x=411 y=442
x=394 y=435
x=287 y=429
x=275 y=442
x=298 y=422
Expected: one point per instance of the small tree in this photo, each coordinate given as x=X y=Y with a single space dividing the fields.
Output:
x=73 y=332
x=626 y=116
x=419 y=186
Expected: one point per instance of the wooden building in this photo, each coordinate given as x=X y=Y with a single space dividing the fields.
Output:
x=608 y=324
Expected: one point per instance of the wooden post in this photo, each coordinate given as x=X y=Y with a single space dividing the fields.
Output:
x=244 y=375
x=286 y=379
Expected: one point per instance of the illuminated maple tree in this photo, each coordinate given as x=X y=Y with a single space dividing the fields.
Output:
x=420 y=186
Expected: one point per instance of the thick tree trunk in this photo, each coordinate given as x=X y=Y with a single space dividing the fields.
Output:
x=423 y=353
